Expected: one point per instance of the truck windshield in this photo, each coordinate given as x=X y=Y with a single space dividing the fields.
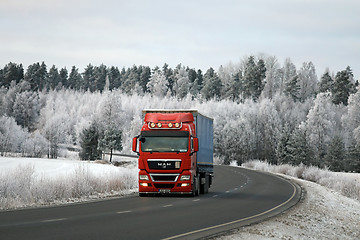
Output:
x=164 y=141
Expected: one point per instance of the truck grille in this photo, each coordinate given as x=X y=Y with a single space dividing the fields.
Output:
x=168 y=164
x=164 y=177
x=162 y=185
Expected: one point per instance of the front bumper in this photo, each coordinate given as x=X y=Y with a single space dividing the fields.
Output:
x=156 y=184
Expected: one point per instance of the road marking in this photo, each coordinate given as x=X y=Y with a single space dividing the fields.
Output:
x=123 y=212
x=227 y=191
x=236 y=221
x=170 y=205
x=195 y=200
x=54 y=220
x=215 y=195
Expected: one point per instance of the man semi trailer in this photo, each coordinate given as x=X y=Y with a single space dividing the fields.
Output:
x=175 y=152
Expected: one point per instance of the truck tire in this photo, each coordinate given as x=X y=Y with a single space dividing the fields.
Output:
x=196 y=187
x=204 y=187
x=142 y=194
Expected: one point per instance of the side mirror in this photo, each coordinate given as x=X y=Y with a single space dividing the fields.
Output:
x=196 y=144
x=134 y=144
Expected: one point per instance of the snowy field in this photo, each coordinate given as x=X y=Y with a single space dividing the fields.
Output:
x=36 y=181
x=323 y=213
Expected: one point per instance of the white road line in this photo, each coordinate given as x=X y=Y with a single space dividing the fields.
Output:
x=170 y=205
x=54 y=220
x=123 y=212
x=215 y=195
x=195 y=200
x=227 y=191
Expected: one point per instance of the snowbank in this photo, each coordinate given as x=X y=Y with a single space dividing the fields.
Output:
x=35 y=181
x=322 y=214
x=326 y=210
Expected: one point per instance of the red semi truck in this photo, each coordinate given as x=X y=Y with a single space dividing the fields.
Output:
x=175 y=149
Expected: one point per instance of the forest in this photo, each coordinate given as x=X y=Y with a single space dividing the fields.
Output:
x=262 y=109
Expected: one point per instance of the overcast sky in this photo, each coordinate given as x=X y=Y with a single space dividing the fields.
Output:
x=196 y=33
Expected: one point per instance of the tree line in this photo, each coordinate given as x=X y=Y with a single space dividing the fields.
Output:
x=262 y=109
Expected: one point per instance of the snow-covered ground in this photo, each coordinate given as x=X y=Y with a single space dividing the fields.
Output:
x=37 y=181
x=321 y=214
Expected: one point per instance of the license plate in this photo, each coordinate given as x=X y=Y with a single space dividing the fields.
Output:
x=164 y=190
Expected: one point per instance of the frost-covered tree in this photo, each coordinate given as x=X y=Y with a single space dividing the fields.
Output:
x=35 y=145
x=351 y=119
x=307 y=81
x=269 y=131
x=26 y=109
x=273 y=78
x=182 y=83
x=288 y=72
x=157 y=84
x=11 y=135
x=320 y=125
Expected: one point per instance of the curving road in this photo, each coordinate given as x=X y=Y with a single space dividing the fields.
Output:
x=238 y=197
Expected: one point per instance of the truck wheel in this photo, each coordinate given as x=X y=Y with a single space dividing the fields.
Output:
x=142 y=194
x=196 y=187
x=204 y=187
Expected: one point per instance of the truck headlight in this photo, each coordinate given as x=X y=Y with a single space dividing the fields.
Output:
x=144 y=177
x=185 y=178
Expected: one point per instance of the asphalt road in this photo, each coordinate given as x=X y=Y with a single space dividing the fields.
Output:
x=238 y=197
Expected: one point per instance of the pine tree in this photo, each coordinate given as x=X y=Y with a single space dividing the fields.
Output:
x=89 y=142
x=326 y=83
x=343 y=86
x=301 y=151
x=336 y=154
x=283 y=152
x=292 y=88
x=11 y=72
x=212 y=85
x=253 y=79
x=100 y=74
x=353 y=158
x=63 y=75
x=53 y=78
x=144 y=78
x=88 y=79
x=111 y=140
x=75 y=81
x=114 y=78
x=36 y=75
